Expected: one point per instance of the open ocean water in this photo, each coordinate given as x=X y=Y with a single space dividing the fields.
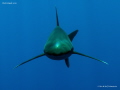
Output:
x=25 y=26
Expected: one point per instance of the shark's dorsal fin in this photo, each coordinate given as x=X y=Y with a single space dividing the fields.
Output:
x=57 y=17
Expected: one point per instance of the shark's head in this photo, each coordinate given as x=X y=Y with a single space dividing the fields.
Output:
x=58 y=45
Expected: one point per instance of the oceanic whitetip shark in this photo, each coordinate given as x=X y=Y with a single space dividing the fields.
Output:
x=59 y=46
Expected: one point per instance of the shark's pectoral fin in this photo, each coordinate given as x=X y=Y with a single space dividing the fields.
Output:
x=67 y=62
x=30 y=60
x=72 y=35
x=89 y=57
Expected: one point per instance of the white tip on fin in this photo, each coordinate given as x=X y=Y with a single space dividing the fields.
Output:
x=89 y=57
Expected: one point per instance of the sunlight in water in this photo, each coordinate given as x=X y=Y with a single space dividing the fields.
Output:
x=57 y=44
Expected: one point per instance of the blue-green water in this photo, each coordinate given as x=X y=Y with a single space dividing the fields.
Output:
x=25 y=27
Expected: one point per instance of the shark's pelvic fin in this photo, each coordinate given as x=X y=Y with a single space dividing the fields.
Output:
x=72 y=35
x=30 y=60
x=57 y=17
x=74 y=52
x=67 y=62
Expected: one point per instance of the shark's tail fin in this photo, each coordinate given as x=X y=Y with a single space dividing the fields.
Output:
x=57 y=17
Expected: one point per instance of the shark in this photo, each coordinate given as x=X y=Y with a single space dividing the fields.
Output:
x=59 y=46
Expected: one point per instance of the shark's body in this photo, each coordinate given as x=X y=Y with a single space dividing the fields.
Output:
x=59 y=46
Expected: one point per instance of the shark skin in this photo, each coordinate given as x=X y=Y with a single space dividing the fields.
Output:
x=59 y=46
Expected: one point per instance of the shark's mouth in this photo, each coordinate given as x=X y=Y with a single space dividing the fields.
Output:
x=59 y=56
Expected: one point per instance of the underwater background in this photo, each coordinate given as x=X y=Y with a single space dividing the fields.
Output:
x=25 y=27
